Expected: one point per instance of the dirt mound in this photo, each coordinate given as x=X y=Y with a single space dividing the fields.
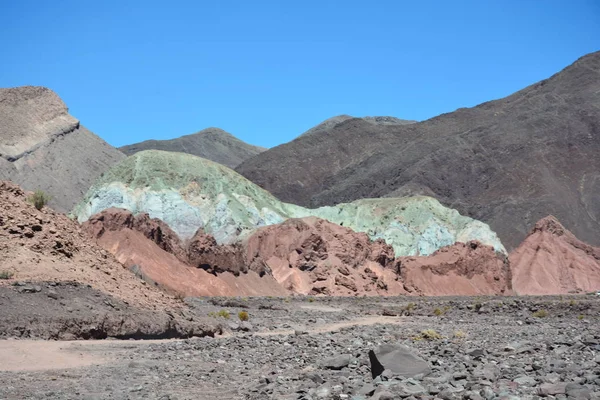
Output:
x=47 y=246
x=212 y=143
x=153 y=252
x=43 y=147
x=551 y=260
x=314 y=256
x=463 y=269
x=507 y=162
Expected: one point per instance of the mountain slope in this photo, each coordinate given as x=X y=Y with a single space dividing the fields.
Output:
x=507 y=162
x=43 y=147
x=212 y=143
x=332 y=122
x=190 y=193
x=551 y=260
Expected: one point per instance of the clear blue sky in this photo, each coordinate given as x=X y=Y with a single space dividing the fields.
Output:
x=266 y=71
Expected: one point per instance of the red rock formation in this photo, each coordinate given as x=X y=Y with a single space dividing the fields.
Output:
x=462 y=269
x=314 y=256
x=551 y=260
x=153 y=251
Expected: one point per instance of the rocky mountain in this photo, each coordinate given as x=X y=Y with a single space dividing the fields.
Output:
x=332 y=122
x=43 y=147
x=507 y=162
x=551 y=260
x=190 y=193
x=212 y=143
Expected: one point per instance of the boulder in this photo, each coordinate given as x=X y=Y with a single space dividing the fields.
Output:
x=399 y=359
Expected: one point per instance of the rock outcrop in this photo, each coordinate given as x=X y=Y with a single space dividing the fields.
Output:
x=462 y=269
x=47 y=246
x=212 y=143
x=153 y=252
x=551 y=260
x=507 y=162
x=189 y=193
x=43 y=147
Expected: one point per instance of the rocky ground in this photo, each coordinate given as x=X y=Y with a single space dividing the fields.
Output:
x=307 y=348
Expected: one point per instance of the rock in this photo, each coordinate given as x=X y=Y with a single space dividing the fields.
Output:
x=547 y=389
x=338 y=362
x=525 y=381
x=399 y=359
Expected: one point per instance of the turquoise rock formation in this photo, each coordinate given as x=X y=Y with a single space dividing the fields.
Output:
x=190 y=193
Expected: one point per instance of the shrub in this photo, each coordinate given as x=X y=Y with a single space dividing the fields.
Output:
x=6 y=274
x=460 y=334
x=580 y=317
x=243 y=316
x=39 y=199
x=540 y=314
x=430 y=334
x=224 y=313
x=311 y=299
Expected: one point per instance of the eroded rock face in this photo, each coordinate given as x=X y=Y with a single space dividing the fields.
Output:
x=551 y=260
x=314 y=256
x=460 y=269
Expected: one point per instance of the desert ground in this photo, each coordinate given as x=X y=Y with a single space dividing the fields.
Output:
x=318 y=348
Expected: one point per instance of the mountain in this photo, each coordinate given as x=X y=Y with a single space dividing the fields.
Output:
x=212 y=143
x=551 y=260
x=507 y=162
x=190 y=193
x=332 y=122
x=43 y=147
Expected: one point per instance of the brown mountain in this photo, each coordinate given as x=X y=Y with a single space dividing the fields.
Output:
x=212 y=143
x=508 y=162
x=43 y=147
x=332 y=122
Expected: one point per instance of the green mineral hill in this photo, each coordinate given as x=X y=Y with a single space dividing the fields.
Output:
x=189 y=193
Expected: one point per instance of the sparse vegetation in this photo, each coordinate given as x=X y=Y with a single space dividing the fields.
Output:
x=580 y=317
x=243 y=316
x=572 y=302
x=540 y=314
x=430 y=334
x=6 y=274
x=39 y=199
x=459 y=334
x=438 y=312
x=224 y=313
x=311 y=299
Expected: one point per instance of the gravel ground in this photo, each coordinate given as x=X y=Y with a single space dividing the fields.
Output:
x=304 y=348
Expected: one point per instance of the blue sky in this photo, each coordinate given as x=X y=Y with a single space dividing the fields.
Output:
x=266 y=71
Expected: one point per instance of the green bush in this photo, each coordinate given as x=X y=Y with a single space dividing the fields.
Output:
x=6 y=274
x=540 y=314
x=39 y=199
x=243 y=316
x=224 y=314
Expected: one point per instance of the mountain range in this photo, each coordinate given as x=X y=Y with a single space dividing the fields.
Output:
x=507 y=162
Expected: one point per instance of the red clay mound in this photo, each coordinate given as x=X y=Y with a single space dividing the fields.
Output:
x=551 y=260
x=314 y=256
x=150 y=249
x=460 y=269
x=48 y=246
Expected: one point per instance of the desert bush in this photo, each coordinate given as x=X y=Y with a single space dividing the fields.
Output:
x=430 y=334
x=311 y=299
x=6 y=274
x=459 y=334
x=224 y=313
x=540 y=314
x=39 y=199
x=580 y=317
x=243 y=316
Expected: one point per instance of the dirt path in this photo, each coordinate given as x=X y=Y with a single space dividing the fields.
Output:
x=39 y=355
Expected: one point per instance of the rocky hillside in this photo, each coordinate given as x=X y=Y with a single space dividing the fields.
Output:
x=332 y=122
x=551 y=260
x=190 y=193
x=507 y=162
x=43 y=147
x=212 y=143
